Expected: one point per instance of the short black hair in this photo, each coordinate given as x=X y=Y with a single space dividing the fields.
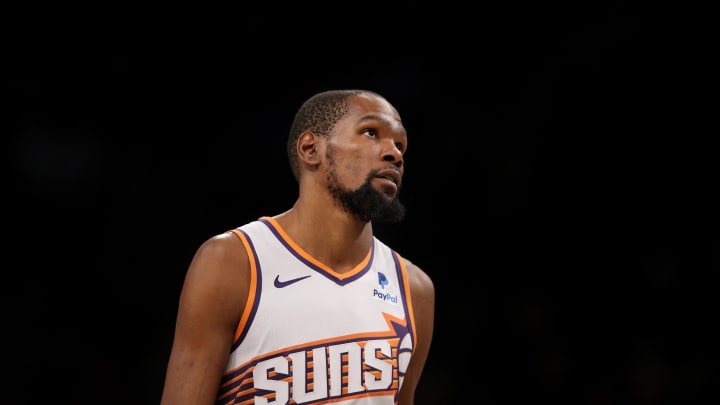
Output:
x=319 y=114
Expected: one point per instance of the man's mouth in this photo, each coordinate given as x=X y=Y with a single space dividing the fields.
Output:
x=390 y=175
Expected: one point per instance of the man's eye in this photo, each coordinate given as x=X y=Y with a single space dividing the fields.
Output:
x=370 y=132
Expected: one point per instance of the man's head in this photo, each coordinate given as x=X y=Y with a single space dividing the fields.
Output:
x=353 y=141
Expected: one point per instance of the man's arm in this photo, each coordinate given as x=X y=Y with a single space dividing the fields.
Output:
x=422 y=294
x=212 y=300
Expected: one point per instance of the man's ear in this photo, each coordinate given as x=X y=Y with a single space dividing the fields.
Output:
x=308 y=148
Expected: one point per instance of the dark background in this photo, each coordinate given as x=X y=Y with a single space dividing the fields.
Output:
x=561 y=184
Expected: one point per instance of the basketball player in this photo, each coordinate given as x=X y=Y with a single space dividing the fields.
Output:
x=308 y=306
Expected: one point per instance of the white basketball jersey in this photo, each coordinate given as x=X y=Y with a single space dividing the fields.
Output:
x=309 y=335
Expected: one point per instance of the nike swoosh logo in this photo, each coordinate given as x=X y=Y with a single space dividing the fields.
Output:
x=282 y=284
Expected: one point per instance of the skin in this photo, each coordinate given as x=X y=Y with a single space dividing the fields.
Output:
x=369 y=137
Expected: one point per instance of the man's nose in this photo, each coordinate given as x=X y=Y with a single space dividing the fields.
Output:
x=391 y=153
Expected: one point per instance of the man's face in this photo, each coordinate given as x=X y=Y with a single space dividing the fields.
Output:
x=365 y=160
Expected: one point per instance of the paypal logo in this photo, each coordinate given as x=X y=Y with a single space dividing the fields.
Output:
x=382 y=280
x=385 y=296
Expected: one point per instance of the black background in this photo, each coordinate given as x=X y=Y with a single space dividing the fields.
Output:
x=560 y=183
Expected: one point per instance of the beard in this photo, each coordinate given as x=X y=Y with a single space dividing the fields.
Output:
x=367 y=203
